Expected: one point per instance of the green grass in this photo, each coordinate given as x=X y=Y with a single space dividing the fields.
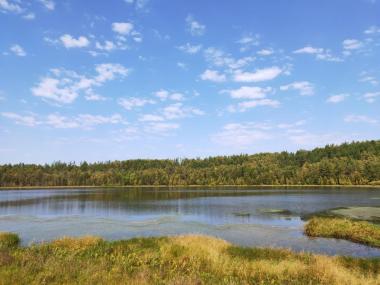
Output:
x=342 y=228
x=8 y=240
x=175 y=260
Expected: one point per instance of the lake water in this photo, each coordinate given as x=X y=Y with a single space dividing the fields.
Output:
x=248 y=217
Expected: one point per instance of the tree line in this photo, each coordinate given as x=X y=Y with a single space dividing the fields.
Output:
x=356 y=163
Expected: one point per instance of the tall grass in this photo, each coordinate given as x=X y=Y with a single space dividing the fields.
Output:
x=356 y=231
x=175 y=260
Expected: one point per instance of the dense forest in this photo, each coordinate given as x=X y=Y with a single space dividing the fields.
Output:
x=347 y=164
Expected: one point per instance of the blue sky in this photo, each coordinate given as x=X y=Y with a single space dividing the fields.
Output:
x=120 y=79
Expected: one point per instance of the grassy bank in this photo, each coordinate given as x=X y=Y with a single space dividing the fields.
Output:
x=342 y=228
x=173 y=260
x=264 y=186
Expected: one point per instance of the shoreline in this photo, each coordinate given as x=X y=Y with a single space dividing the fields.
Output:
x=189 y=186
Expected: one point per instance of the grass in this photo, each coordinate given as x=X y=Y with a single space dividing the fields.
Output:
x=175 y=260
x=8 y=240
x=342 y=228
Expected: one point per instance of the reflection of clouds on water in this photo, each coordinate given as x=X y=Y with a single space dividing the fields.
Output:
x=253 y=218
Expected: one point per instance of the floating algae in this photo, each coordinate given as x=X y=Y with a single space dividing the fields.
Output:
x=360 y=213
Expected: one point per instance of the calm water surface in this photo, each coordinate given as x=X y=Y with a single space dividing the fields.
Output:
x=242 y=216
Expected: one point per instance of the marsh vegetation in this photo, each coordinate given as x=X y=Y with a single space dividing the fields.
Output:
x=174 y=260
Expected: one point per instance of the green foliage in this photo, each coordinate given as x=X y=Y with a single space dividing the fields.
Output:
x=356 y=231
x=356 y=163
x=9 y=240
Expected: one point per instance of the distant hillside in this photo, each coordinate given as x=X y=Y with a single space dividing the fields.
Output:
x=347 y=164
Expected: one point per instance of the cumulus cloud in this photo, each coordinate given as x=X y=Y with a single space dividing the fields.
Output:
x=178 y=110
x=213 y=75
x=372 y=30
x=337 y=98
x=219 y=58
x=249 y=104
x=151 y=118
x=360 y=119
x=248 y=92
x=134 y=102
x=319 y=53
x=194 y=27
x=26 y=120
x=248 y=41
x=352 y=44
x=191 y=49
x=304 y=88
x=10 y=6
x=17 y=50
x=370 y=97
x=164 y=95
x=259 y=75
x=48 y=4
x=63 y=86
x=70 y=42
x=240 y=135
x=265 y=52
x=123 y=28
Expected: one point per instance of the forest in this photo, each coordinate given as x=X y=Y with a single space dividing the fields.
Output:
x=355 y=163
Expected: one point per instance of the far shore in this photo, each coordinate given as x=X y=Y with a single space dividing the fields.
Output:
x=188 y=186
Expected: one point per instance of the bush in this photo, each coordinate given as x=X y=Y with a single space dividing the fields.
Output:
x=9 y=240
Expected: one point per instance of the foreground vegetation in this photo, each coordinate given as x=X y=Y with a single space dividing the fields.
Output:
x=173 y=260
x=355 y=163
x=342 y=228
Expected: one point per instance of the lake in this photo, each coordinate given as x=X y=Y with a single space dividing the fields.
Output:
x=249 y=217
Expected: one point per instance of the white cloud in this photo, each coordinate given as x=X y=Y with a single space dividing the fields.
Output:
x=123 y=28
x=164 y=95
x=91 y=96
x=64 y=86
x=29 y=16
x=213 y=75
x=10 y=6
x=17 y=50
x=151 y=118
x=265 y=52
x=352 y=44
x=245 y=105
x=240 y=135
x=182 y=65
x=134 y=102
x=305 y=88
x=139 y=4
x=194 y=27
x=371 y=97
x=370 y=79
x=309 y=50
x=69 y=42
x=191 y=49
x=106 y=46
x=82 y=121
x=359 y=119
x=372 y=30
x=248 y=92
x=48 y=4
x=259 y=75
x=29 y=121
x=319 y=53
x=337 y=98
x=221 y=59
x=248 y=41
x=161 y=128
x=178 y=110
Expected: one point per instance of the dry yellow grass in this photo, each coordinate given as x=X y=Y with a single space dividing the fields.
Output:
x=356 y=231
x=181 y=260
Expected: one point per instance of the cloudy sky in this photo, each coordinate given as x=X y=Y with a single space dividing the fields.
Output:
x=119 y=79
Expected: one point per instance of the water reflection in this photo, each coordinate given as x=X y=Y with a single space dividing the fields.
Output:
x=255 y=217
